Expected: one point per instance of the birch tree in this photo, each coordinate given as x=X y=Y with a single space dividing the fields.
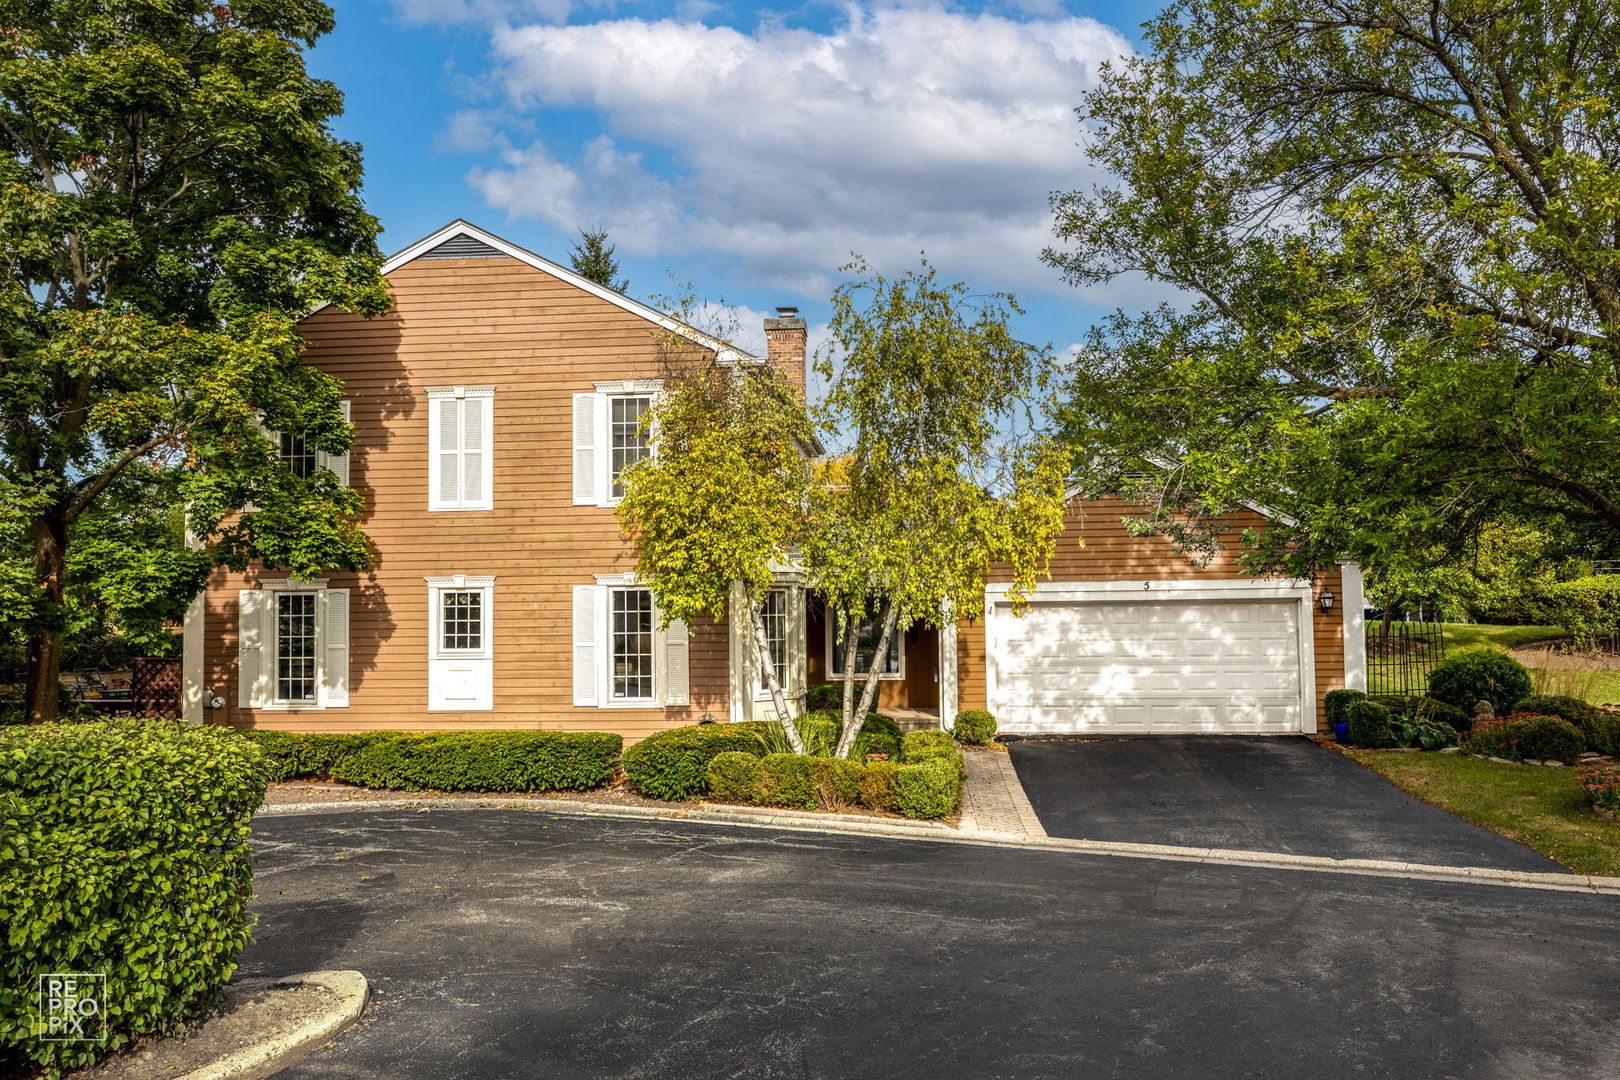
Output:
x=942 y=472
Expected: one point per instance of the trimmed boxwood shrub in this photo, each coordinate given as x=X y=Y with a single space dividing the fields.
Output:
x=878 y=735
x=1572 y=709
x=879 y=785
x=482 y=760
x=1481 y=674
x=124 y=851
x=787 y=780
x=1334 y=703
x=928 y=789
x=1369 y=724
x=1540 y=738
x=838 y=782
x=734 y=776
x=926 y=744
x=674 y=764
x=825 y=697
x=974 y=727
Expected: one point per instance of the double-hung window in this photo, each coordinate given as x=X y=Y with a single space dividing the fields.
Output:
x=461 y=647
x=609 y=436
x=630 y=613
x=866 y=644
x=302 y=459
x=297 y=648
x=773 y=614
x=461 y=467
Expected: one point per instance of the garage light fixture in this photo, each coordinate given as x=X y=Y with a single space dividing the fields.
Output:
x=1326 y=600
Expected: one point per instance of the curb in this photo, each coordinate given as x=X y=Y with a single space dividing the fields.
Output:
x=937 y=833
x=284 y=1049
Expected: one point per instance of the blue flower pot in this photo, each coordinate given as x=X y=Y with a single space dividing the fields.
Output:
x=1341 y=733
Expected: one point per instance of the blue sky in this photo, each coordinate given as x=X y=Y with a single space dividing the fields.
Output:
x=746 y=150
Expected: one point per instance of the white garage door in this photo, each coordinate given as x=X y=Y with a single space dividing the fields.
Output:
x=1146 y=667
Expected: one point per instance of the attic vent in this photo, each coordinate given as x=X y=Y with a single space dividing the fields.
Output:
x=462 y=247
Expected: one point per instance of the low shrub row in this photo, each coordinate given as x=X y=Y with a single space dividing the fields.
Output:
x=1526 y=735
x=446 y=761
x=926 y=781
x=124 y=852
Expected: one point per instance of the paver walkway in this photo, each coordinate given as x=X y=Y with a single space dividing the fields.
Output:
x=993 y=800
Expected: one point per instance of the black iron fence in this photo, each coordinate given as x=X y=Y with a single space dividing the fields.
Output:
x=1400 y=655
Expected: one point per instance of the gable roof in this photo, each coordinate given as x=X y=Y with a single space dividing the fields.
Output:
x=462 y=239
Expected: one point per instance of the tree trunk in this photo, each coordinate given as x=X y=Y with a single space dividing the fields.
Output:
x=852 y=639
x=762 y=648
x=44 y=685
x=852 y=724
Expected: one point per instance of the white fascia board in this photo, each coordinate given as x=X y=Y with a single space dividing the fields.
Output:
x=459 y=227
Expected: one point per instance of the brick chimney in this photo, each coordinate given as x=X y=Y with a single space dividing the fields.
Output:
x=785 y=338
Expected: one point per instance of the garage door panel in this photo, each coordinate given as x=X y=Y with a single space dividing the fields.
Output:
x=1157 y=666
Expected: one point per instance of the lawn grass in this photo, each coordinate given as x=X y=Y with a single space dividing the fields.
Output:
x=1540 y=807
x=1468 y=635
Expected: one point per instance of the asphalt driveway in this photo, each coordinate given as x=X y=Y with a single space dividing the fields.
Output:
x=1256 y=793
x=519 y=943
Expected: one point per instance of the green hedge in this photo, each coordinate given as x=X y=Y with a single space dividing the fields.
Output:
x=1586 y=607
x=928 y=789
x=974 y=727
x=674 y=764
x=446 y=760
x=1418 y=707
x=734 y=776
x=879 y=783
x=1572 y=709
x=124 y=852
x=928 y=744
x=1602 y=730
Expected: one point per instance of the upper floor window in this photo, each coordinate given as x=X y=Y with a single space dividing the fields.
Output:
x=298 y=455
x=461 y=473
x=628 y=443
x=866 y=644
x=608 y=438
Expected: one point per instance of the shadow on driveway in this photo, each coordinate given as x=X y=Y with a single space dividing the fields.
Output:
x=1258 y=793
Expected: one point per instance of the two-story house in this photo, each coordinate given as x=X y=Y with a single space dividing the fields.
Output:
x=494 y=411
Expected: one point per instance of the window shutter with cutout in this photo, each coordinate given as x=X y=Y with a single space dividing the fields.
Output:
x=338 y=463
x=335 y=650
x=585 y=645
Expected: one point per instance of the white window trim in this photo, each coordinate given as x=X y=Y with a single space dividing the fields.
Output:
x=900 y=640
x=458 y=393
x=761 y=691
x=605 y=393
x=606 y=700
x=337 y=464
x=271 y=588
x=437 y=586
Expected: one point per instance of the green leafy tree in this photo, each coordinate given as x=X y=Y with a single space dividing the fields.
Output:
x=939 y=474
x=172 y=202
x=592 y=258
x=720 y=505
x=1394 y=228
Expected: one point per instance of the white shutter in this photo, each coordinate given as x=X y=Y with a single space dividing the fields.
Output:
x=797 y=653
x=474 y=451
x=586 y=680
x=252 y=684
x=335 y=650
x=677 y=665
x=338 y=463
x=444 y=479
x=585 y=450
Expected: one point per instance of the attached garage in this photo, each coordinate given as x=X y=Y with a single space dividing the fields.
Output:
x=1171 y=657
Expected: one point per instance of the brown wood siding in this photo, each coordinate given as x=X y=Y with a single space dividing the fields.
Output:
x=537 y=340
x=1095 y=546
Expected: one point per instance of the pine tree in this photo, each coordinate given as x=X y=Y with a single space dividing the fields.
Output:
x=593 y=259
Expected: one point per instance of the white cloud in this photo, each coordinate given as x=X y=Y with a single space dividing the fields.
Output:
x=907 y=128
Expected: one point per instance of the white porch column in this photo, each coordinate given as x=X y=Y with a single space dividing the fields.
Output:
x=947 y=666
x=1354 y=599
x=741 y=651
